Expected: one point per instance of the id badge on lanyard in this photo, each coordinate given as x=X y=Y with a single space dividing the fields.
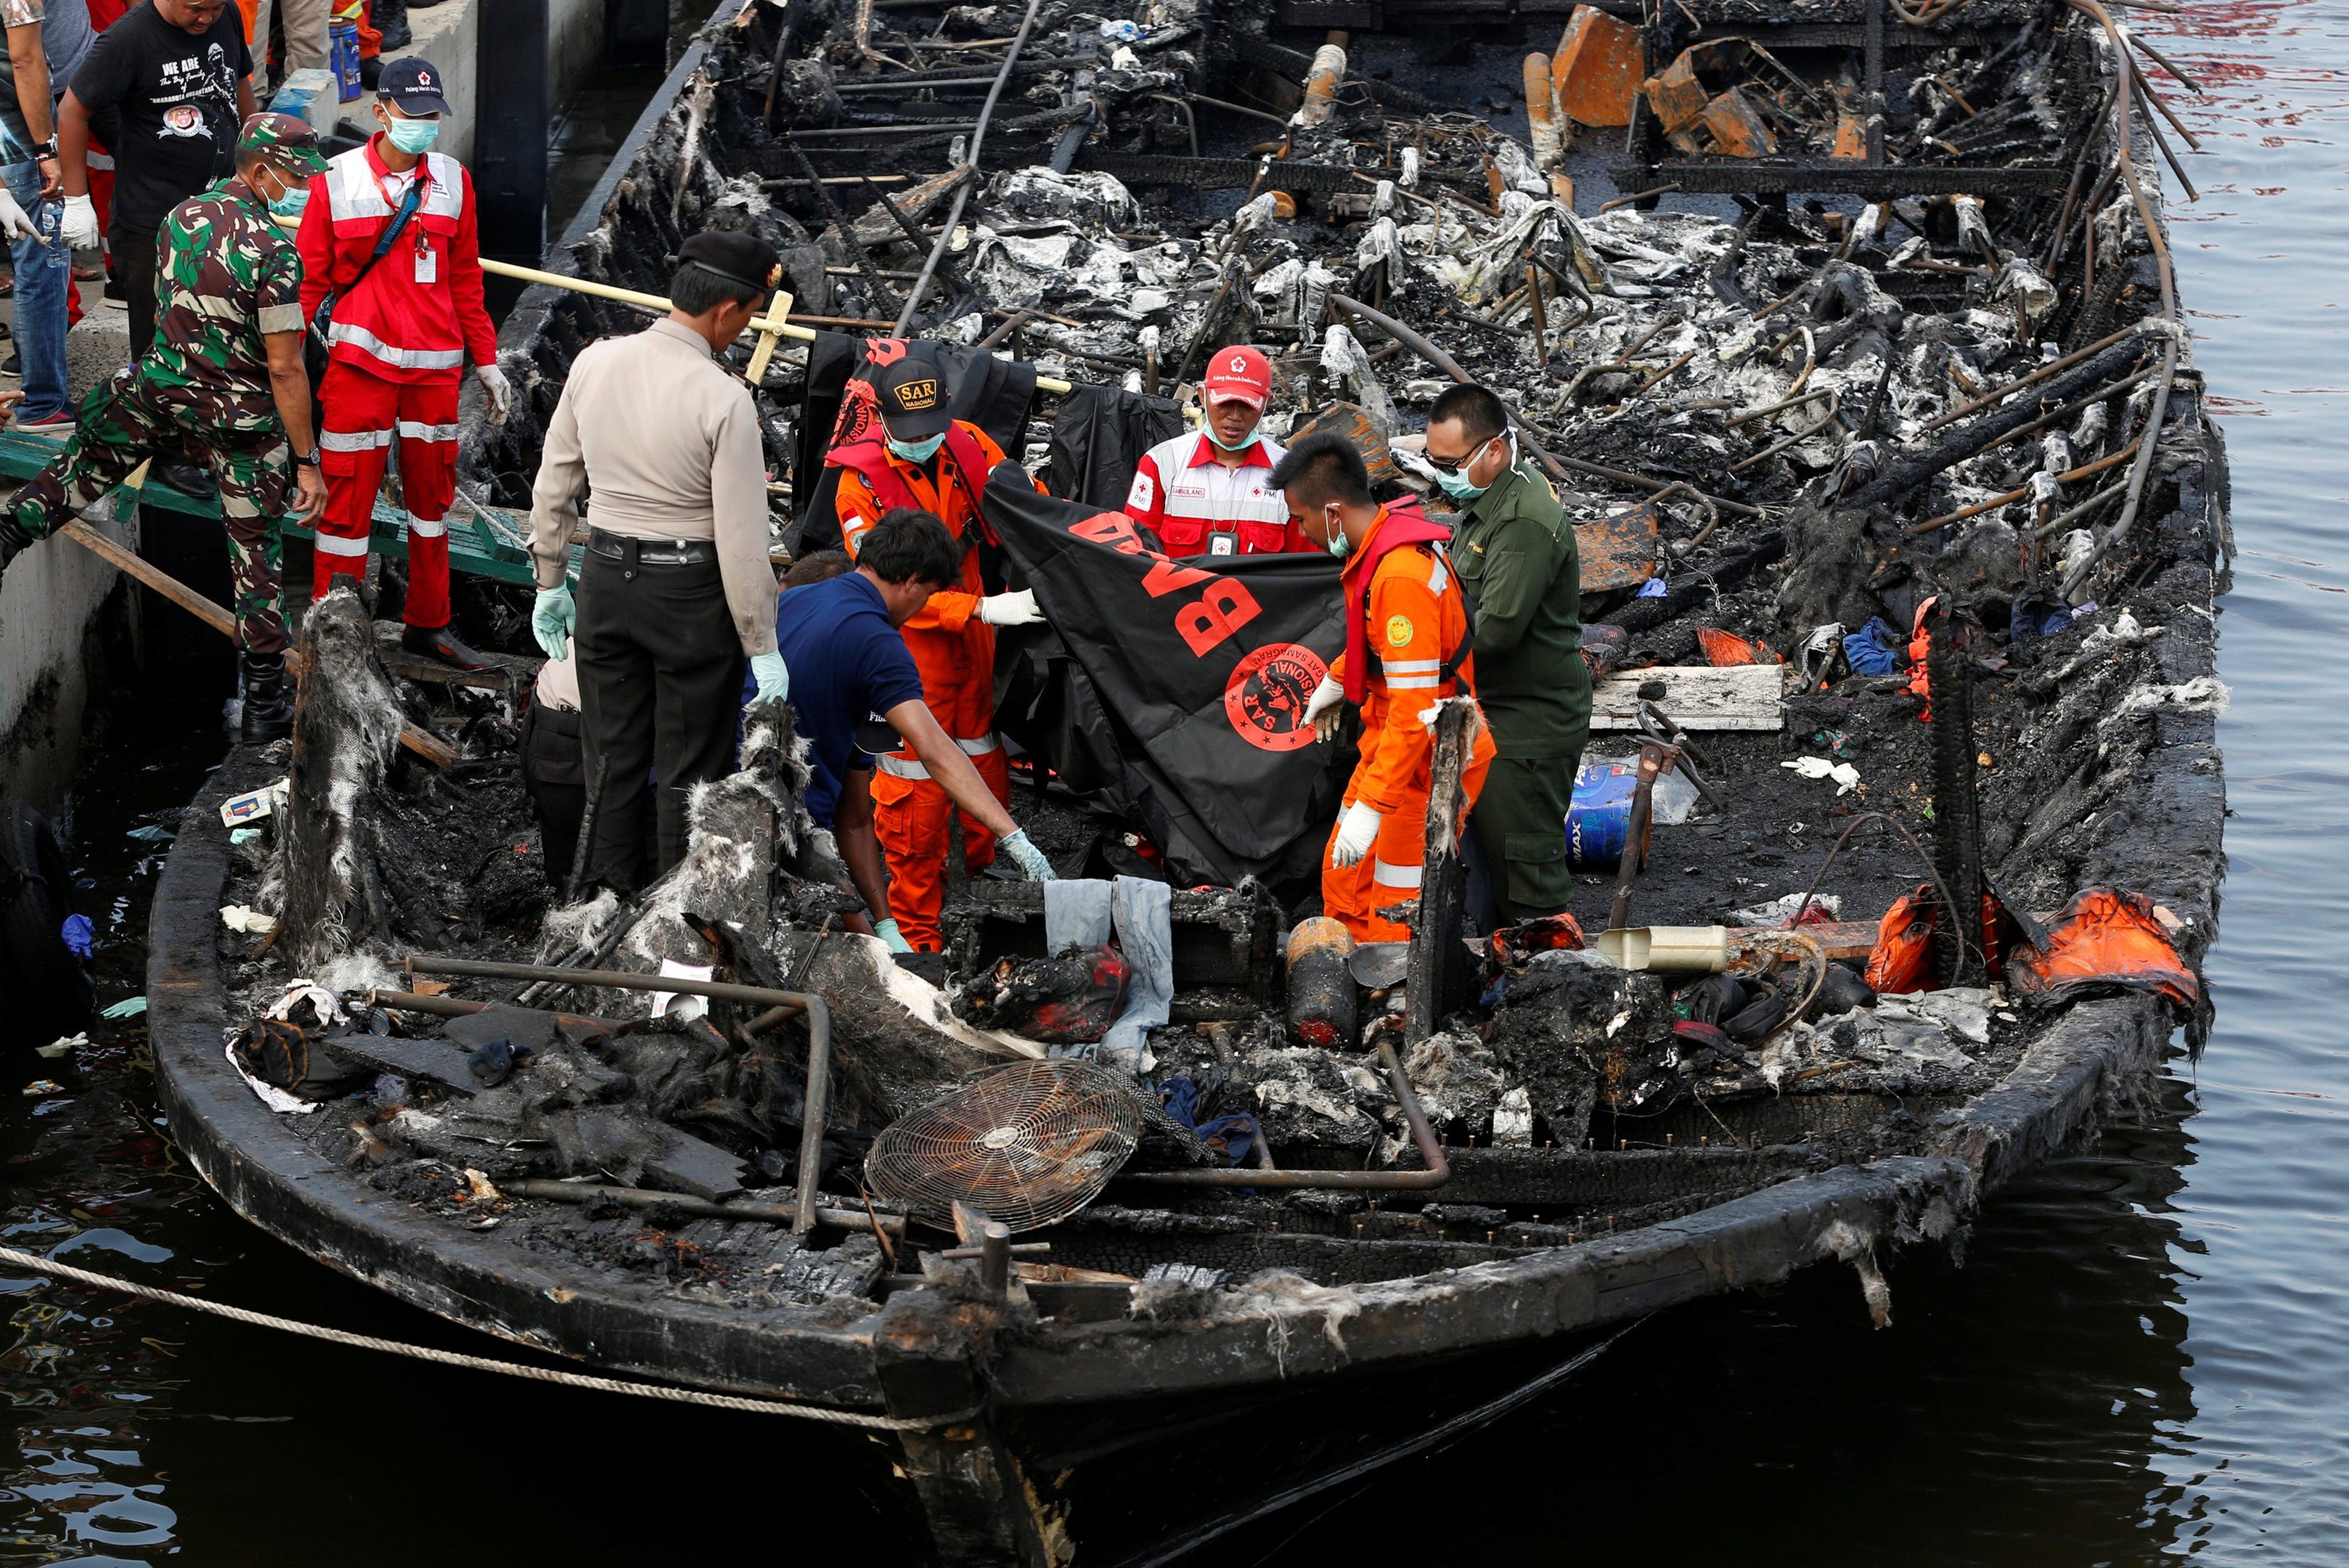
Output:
x=428 y=260
x=1223 y=545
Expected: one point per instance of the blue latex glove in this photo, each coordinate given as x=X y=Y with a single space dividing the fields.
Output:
x=888 y=931
x=552 y=618
x=1029 y=859
x=774 y=680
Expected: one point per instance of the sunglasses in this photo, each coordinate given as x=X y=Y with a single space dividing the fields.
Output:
x=1454 y=464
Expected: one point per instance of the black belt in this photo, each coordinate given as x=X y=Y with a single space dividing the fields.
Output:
x=631 y=551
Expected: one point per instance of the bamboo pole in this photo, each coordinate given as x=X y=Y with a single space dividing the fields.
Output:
x=765 y=325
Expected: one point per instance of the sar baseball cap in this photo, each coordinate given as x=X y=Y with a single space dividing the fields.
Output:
x=412 y=86
x=1239 y=374
x=912 y=397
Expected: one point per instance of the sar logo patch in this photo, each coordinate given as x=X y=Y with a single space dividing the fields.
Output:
x=1267 y=695
x=1398 y=631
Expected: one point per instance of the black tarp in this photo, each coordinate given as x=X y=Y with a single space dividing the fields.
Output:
x=991 y=392
x=1098 y=439
x=1175 y=692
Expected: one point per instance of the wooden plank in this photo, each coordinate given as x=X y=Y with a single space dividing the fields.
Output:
x=1700 y=697
x=423 y=743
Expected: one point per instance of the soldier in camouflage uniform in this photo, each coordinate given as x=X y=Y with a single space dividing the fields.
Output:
x=224 y=385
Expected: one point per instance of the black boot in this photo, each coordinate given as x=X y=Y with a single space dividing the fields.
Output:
x=441 y=642
x=268 y=709
x=390 y=18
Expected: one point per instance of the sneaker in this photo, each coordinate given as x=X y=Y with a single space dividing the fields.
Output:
x=442 y=643
x=13 y=366
x=60 y=424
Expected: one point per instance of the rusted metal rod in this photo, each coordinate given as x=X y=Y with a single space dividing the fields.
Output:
x=700 y=1208
x=1437 y=1173
x=2053 y=368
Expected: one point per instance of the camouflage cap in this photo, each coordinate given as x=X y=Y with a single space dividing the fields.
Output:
x=286 y=140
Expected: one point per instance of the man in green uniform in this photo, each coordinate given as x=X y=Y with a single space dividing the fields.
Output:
x=223 y=384
x=1514 y=550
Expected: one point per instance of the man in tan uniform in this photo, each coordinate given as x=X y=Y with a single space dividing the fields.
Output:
x=675 y=590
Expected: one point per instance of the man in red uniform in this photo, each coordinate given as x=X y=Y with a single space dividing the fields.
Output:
x=924 y=458
x=405 y=314
x=1407 y=650
x=1210 y=492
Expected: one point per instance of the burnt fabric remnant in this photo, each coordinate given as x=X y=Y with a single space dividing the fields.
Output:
x=1845 y=337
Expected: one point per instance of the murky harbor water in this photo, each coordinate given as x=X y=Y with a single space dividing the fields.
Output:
x=2141 y=1357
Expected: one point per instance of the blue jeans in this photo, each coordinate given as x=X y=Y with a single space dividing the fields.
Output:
x=44 y=273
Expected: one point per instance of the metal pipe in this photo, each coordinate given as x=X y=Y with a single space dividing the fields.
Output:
x=613 y=980
x=1437 y=1173
x=962 y=194
x=819 y=1098
x=700 y=1208
x=995 y=1241
x=431 y=1006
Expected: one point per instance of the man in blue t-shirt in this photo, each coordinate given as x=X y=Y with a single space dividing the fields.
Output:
x=850 y=666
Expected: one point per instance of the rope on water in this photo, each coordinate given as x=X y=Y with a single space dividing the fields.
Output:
x=41 y=1265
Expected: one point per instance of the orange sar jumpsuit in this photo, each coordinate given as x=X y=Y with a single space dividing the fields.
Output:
x=1413 y=619
x=955 y=651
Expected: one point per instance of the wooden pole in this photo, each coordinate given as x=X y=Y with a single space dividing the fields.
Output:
x=423 y=743
x=1438 y=952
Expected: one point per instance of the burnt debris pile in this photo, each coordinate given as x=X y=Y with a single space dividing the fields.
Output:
x=1901 y=526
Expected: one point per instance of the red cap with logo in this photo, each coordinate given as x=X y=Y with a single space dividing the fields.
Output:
x=1239 y=374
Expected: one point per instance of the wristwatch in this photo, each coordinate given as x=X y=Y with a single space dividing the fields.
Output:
x=48 y=149
x=308 y=461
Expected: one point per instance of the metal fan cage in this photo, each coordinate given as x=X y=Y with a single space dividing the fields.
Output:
x=1028 y=1144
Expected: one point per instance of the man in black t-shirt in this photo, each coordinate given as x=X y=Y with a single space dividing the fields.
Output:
x=174 y=73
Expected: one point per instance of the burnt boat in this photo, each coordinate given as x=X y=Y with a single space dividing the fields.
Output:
x=1946 y=387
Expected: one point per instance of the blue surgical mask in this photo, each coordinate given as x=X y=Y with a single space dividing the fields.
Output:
x=413 y=135
x=1220 y=444
x=1457 y=487
x=917 y=450
x=1456 y=484
x=290 y=203
x=1339 y=543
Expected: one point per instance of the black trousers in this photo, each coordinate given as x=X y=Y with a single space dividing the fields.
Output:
x=556 y=784
x=134 y=273
x=660 y=690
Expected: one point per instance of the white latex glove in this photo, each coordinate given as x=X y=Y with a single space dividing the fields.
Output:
x=15 y=222
x=1322 y=710
x=774 y=679
x=497 y=388
x=551 y=620
x=888 y=931
x=1010 y=609
x=1357 y=831
x=80 y=230
x=1029 y=859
